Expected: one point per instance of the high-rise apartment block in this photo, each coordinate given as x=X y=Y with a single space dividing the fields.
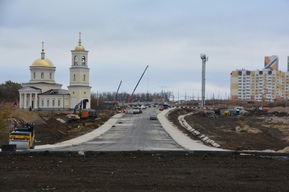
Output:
x=268 y=84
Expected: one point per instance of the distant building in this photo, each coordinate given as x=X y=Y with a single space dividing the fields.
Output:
x=42 y=92
x=268 y=84
x=271 y=62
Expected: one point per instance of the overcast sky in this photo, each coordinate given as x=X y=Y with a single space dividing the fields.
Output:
x=124 y=36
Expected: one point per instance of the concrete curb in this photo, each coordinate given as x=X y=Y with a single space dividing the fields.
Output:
x=197 y=133
x=183 y=140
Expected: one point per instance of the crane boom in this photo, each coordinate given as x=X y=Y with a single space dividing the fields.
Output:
x=130 y=98
x=115 y=96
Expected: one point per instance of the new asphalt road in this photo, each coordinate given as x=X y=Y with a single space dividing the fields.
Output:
x=132 y=132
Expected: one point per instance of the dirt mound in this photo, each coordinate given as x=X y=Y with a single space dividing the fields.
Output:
x=51 y=127
x=27 y=116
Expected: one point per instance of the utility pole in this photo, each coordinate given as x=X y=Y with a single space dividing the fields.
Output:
x=204 y=60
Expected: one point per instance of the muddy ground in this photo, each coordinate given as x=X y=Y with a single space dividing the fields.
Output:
x=253 y=130
x=156 y=171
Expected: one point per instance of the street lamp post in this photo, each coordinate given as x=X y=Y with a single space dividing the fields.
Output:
x=204 y=60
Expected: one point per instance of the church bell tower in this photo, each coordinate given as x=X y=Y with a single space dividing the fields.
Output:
x=79 y=88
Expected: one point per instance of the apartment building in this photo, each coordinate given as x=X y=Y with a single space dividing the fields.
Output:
x=268 y=84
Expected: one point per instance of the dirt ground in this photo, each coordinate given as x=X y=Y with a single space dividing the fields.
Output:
x=51 y=126
x=154 y=171
x=253 y=130
x=141 y=171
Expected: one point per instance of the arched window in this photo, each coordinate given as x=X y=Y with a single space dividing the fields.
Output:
x=50 y=75
x=34 y=75
x=75 y=60
x=83 y=77
x=83 y=60
x=42 y=75
x=74 y=77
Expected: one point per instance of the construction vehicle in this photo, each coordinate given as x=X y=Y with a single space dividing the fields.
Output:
x=131 y=96
x=80 y=112
x=115 y=100
x=23 y=137
x=115 y=103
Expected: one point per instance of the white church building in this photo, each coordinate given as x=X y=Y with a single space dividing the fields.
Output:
x=43 y=93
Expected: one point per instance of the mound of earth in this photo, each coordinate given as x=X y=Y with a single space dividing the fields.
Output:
x=51 y=127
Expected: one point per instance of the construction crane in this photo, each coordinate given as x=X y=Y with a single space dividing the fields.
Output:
x=115 y=96
x=115 y=103
x=131 y=96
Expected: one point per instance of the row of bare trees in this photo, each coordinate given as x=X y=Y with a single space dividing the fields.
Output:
x=137 y=97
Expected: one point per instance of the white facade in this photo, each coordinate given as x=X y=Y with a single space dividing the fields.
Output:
x=42 y=92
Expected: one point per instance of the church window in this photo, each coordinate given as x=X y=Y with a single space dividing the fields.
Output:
x=83 y=60
x=58 y=102
x=75 y=60
x=34 y=75
x=42 y=75
x=74 y=77
x=42 y=102
x=83 y=77
x=50 y=75
x=47 y=103
x=53 y=102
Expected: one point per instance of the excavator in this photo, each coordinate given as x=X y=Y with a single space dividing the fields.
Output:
x=80 y=112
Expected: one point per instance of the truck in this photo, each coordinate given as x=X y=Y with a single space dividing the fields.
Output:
x=23 y=137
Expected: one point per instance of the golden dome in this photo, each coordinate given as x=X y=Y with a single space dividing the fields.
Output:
x=42 y=63
x=79 y=48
